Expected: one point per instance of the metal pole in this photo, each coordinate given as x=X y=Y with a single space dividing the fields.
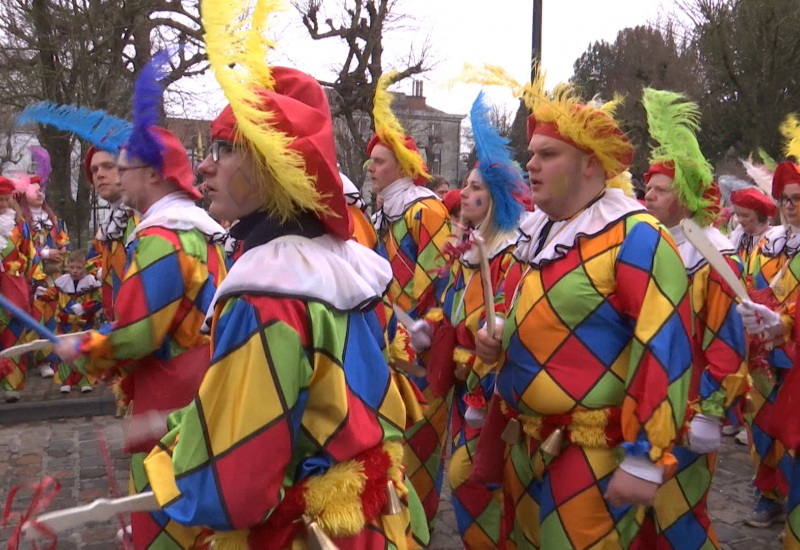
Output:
x=536 y=43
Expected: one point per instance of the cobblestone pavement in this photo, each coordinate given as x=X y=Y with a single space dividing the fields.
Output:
x=68 y=450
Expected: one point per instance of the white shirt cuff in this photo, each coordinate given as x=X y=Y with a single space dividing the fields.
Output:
x=643 y=468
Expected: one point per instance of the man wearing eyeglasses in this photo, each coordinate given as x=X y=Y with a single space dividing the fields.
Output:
x=175 y=262
x=774 y=270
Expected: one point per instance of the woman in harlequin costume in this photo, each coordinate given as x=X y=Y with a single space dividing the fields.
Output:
x=774 y=275
x=413 y=225
x=20 y=268
x=595 y=347
x=175 y=262
x=296 y=429
x=489 y=205
x=679 y=186
x=753 y=210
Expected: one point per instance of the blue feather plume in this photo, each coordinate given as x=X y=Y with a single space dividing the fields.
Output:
x=104 y=131
x=496 y=166
x=148 y=95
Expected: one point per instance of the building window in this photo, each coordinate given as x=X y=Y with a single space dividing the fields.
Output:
x=436 y=163
x=436 y=129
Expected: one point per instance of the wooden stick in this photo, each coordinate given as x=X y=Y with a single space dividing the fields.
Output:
x=35 y=345
x=486 y=282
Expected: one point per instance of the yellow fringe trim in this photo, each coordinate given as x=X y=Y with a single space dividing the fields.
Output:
x=434 y=314
x=228 y=540
x=391 y=132
x=462 y=355
x=587 y=428
x=399 y=346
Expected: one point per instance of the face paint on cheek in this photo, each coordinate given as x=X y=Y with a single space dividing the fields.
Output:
x=240 y=188
x=478 y=202
x=560 y=184
x=673 y=208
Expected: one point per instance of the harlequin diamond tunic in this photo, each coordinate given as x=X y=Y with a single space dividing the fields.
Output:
x=298 y=413
x=597 y=343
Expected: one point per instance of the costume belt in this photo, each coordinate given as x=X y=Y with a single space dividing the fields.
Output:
x=596 y=428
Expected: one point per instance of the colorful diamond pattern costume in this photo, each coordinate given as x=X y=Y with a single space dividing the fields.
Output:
x=596 y=342
x=20 y=268
x=718 y=380
x=297 y=391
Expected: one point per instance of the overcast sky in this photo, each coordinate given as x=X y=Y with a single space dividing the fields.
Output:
x=474 y=31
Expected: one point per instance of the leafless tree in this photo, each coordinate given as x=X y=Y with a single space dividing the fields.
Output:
x=362 y=25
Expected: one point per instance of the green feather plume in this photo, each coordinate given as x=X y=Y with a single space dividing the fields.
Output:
x=673 y=121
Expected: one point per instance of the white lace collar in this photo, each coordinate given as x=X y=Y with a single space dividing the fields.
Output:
x=67 y=285
x=398 y=196
x=178 y=212
x=776 y=242
x=612 y=206
x=8 y=220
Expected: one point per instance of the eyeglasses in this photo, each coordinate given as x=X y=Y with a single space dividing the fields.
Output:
x=219 y=144
x=793 y=200
x=123 y=169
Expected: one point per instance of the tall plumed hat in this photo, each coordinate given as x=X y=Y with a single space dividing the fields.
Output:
x=151 y=144
x=390 y=133
x=105 y=132
x=560 y=114
x=280 y=114
x=42 y=167
x=496 y=166
x=673 y=121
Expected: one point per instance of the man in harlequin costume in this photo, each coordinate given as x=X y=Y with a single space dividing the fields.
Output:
x=296 y=430
x=175 y=262
x=106 y=257
x=595 y=347
x=775 y=273
x=753 y=209
x=490 y=211
x=678 y=186
x=414 y=226
x=19 y=271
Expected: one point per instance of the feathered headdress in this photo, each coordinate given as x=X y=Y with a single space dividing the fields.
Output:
x=760 y=174
x=389 y=131
x=148 y=96
x=237 y=52
x=104 y=131
x=560 y=114
x=728 y=184
x=673 y=121
x=790 y=130
x=496 y=167
x=41 y=161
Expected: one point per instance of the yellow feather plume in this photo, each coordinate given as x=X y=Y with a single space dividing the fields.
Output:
x=790 y=130
x=624 y=182
x=590 y=128
x=391 y=132
x=237 y=51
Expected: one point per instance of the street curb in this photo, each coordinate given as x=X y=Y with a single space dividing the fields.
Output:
x=33 y=411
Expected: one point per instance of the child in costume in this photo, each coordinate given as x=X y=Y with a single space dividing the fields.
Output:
x=175 y=263
x=678 y=186
x=77 y=301
x=296 y=430
x=20 y=273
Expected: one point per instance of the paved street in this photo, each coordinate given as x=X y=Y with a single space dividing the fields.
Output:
x=68 y=450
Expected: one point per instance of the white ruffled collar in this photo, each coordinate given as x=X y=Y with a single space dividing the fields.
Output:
x=178 y=212
x=470 y=257
x=775 y=241
x=66 y=284
x=399 y=195
x=8 y=220
x=692 y=258
x=612 y=206
x=342 y=274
